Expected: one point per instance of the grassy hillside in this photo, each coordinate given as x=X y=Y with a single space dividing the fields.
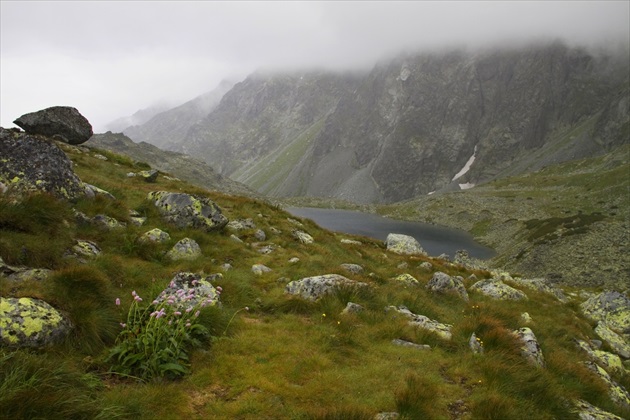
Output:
x=267 y=355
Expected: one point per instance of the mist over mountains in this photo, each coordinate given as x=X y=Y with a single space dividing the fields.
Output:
x=410 y=126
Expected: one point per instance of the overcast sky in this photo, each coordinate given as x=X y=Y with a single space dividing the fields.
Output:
x=111 y=58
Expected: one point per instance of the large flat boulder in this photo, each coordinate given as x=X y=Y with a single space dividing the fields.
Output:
x=59 y=122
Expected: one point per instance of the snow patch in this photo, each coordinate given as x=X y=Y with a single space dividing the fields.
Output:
x=466 y=167
x=466 y=186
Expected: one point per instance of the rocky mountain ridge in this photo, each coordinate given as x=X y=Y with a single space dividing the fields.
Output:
x=416 y=124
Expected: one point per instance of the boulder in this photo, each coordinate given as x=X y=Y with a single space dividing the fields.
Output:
x=313 y=288
x=186 y=210
x=148 y=176
x=406 y=279
x=352 y=308
x=405 y=343
x=352 y=268
x=186 y=249
x=614 y=340
x=531 y=349
x=424 y=322
x=610 y=362
x=155 y=235
x=83 y=250
x=59 y=122
x=443 y=283
x=587 y=411
x=616 y=392
x=29 y=322
x=303 y=237
x=260 y=269
x=611 y=307
x=404 y=245
x=32 y=163
x=496 y=289
x=189 y=289
x=475 y=344
x=107 y=222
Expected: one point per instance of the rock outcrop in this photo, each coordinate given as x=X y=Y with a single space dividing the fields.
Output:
x=58 y=122
x=496 y=289
x=424 y=322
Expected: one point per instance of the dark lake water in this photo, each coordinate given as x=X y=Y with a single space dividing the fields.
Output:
x=435 y=240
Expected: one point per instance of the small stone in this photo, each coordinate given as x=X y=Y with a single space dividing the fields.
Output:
x=526 y=318
x=260 y=235
x=260 y=269
x=186 y=249
x=294 y=260
x=350 y=242
x=404 y=343
x=531 y=349
x=155 y=235
x=352 y=268
x=443 y=283
x=352 y=308
x=475 y=344
x=303 y=237
x=149 y=176
x=407 y=279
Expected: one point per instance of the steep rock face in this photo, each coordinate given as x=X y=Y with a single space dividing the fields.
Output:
x=416 y=124
x=166 y=128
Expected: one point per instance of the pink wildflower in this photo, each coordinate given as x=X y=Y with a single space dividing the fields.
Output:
x=117 y=301
x=155 y=302
x=122 y=324
x=177 y=313
x=137 y=298
x=188 y=324
x=189 y=309
x=219 y=289
x=197 y=314
x=134 y=294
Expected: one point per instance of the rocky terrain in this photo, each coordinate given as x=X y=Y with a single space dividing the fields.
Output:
x=145 y=297
x=413 y=125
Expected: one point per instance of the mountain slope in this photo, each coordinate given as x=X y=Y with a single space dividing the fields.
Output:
x=170 y=126
x=410 y=125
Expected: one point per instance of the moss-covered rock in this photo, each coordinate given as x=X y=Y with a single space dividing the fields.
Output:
x=406 y=279
x=155 y=235
x=29 y=322
x=614 y=340
x=186 y=249
x=187 y=210
x=617 y=393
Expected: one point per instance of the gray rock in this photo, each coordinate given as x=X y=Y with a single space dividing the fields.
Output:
x=352 y=268
x=260 y=269
x=266 y=249
x=148 y=176
x=526 y=318
x=443 y=283
x=313 y=288
x=610 y=362
x=611 y=307
x=475 y=344
x=189 y=289
x=294 y=260
x=303 y=237
x=31 y=164
x=236 y=238
x=29 y=322
x=614 y=340
x=496 y=289
x=404 y=343
x=83 y=250
x=352 y=308
x=107 y=222
x=587 y=411
x=186 y=210
x=426 y=265
x=421 y=321
x=59 y=122
x=155 y=235
x=350 y=242
x=241 y=224
x=260 y=235
x=403 y=244
x=94 y=191
x=406 y=279
x=616 y=392
x=531 y=349
x=186 y=249
x=389 y=415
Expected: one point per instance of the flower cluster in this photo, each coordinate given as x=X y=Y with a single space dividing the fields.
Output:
x=154 y=339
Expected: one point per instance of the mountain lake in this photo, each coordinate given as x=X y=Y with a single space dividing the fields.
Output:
x=435 y=240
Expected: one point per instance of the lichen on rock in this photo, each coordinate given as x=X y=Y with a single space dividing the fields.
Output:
x=404 y=245
x=188 y=210
x=29 y=322
x=313 y=288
